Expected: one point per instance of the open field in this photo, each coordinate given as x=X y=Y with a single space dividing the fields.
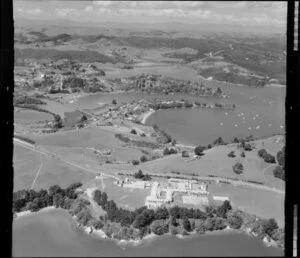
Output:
x=30 y=116
x=27 y=164
x=254 y=201
x=125 y=197
x=216 y=162
x=58 y=108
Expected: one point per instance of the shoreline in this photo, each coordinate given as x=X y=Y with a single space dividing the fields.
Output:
x=90 y=230
x=146 y=116
x=27 y=213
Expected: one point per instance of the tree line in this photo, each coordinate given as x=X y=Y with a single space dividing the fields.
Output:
x=35 y=200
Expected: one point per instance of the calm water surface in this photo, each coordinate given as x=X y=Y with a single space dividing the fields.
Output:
x=54 y=234
x=259 y=111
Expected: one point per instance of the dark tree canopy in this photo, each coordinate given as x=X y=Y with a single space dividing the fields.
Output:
x=199 y=150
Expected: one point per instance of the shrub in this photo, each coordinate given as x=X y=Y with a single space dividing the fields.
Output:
x=186 y=224
x=97 y=224
x=172 y=151
x=279 y=172
x=269 y=158
x=269 y=226
x=247 y=147
x=280 y=156
x=219 y=141
x=185 y=154
x=135 y=162
x=166 y=151
x=159 y=227
x=231 y=154
x=238 y=168
x=114 y=102
x=143 y=158
x=243 y=155
x=199 y=150
x=234 y=220
x=133 y=131
x=262 y=153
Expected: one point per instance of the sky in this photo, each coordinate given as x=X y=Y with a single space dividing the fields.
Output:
x=195 y=12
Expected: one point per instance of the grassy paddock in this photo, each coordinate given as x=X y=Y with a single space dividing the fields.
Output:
x=260 y=202
x=53 y=171
x=125 y=197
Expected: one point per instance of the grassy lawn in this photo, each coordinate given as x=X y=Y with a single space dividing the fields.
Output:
x=123 y=197
x=53 y=171
x=26 y=164
x=99 y=138
x=262 y=203
x=216 y=162
x=31 y=116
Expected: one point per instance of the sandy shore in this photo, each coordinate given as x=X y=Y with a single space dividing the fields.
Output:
x=146 y=116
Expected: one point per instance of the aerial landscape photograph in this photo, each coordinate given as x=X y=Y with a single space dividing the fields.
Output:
x=149 y=128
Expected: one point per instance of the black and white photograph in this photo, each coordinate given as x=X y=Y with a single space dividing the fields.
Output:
x=149 y=128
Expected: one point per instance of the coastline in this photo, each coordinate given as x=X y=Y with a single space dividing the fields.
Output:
x=27 y=213
x=101 y=234
x=90 y=230
x=146 y=116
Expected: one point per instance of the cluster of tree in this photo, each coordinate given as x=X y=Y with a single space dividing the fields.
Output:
x=35 y=200
x=143 y=158
x=137 y=143
x=279 y=171
x=180 y=220
x=140 y=175
x=185 y=154
x=281 y=157
x=262 y=153
x=21 y=100
x=93 y=87
x=73 y=82
x=219 y=141
x=163 y=137
x=169 y=151
x=238 y=168
x=57 y=122
x=245 y=146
